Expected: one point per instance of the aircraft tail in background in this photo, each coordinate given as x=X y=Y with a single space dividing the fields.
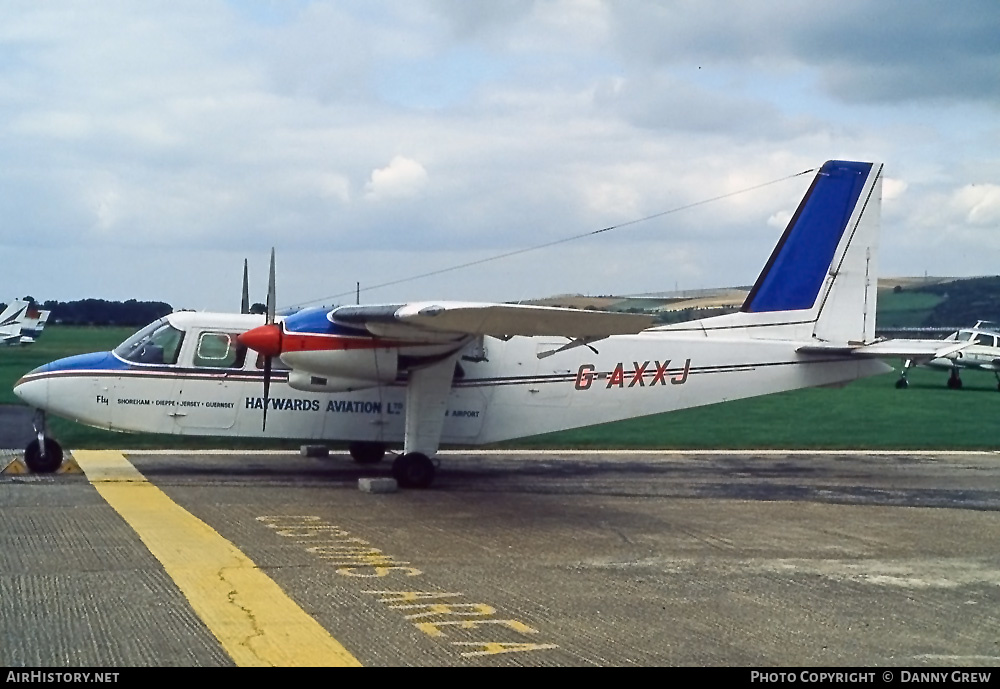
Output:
x=21 y=323
x=14 y=312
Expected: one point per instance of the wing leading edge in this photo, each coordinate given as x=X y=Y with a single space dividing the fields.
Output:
x=500 y=320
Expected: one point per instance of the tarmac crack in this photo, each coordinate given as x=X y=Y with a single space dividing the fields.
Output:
x=257 y=631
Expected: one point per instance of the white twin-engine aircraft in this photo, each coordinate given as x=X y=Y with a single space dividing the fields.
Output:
x=432 y=373
x=977 y=347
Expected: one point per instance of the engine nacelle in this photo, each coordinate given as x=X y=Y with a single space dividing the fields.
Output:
x=341 y=370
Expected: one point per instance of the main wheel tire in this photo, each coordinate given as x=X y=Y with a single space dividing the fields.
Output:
x=367 y=452
x=902 y=384
x=43 y=463
x=955 y=383
x=413 y=470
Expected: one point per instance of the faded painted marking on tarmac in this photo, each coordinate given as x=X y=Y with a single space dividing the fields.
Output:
x=435 y=613
x=254 y=620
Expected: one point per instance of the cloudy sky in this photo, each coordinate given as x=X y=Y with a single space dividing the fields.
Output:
x=148 y=147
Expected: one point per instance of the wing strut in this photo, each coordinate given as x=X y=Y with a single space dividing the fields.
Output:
x=573 y=344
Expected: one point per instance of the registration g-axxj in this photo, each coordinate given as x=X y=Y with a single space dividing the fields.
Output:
x=418 y=375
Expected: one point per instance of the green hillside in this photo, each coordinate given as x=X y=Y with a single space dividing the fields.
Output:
x=942 y=304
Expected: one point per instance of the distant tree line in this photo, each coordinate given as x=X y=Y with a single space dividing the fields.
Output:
x=103 y=312
x=965 y=301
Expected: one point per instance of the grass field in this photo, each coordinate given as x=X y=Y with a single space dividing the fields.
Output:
x=869 y=413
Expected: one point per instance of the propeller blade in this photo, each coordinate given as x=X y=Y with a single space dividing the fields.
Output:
x=269 y=321
x=267 y=389
x=270 y=291
x=245 y=304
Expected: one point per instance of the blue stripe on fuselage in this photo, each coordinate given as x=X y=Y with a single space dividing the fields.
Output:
x=97 y=361
x=795 y=272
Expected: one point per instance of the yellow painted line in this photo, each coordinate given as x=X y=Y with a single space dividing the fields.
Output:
x=254 y=620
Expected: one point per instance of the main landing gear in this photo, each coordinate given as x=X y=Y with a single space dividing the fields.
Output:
x=954 y=381
x=902 y=383
x=427 y=393
x=43 y=455
x=413 y=470
x=410 y=469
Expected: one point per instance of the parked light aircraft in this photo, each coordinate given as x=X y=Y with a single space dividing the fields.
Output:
x=34 y=323
x=977 y=347
x=10 y=321
x=21 y=323
x=425 y=374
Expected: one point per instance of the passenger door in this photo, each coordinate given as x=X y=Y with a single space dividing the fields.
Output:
x=206 y=396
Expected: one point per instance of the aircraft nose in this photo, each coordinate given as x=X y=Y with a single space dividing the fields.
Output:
x=32 y=392
x=265 y=339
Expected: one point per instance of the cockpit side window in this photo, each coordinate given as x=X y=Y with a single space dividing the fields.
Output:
x=985 y=339
x=157 y=343
x=963 y=335
x=219 y=350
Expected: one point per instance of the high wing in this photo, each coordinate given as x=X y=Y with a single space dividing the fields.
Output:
x=418 y=319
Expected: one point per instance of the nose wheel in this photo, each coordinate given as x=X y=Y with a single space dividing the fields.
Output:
x=43 y=455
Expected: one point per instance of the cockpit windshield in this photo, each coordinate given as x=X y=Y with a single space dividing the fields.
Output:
x=157 y=343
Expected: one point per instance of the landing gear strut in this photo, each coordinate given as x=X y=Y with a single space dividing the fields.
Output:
x=902 y=383
x=427 y=393
x=43 y=455
x=954 y=381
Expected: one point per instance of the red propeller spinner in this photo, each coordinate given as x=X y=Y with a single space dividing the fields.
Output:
x=264 y=339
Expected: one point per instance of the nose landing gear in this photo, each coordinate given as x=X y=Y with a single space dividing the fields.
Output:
x=43 y=455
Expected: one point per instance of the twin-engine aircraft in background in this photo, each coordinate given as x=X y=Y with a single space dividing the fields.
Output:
x=425 y=374
x=976 y=348
x=21 y=323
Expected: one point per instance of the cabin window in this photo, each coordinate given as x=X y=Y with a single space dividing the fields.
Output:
x=219 y=350
x=157 y=343
x=984 y=339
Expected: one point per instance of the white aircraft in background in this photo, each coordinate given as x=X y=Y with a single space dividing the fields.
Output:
x=21 y=323
x=425 y=374
x=977 y=347
x=33 y=325
x=10 y=321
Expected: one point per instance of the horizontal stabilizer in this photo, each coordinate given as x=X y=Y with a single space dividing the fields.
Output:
x=905 y=349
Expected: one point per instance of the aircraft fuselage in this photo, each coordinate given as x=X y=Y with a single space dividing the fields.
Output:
x=505 y=391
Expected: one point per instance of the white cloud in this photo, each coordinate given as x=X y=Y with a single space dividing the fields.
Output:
x=402 y=178
x=893 y=188
x=780 y=219
x=980 y=203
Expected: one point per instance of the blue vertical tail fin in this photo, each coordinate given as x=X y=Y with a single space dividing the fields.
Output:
x=820 y=281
